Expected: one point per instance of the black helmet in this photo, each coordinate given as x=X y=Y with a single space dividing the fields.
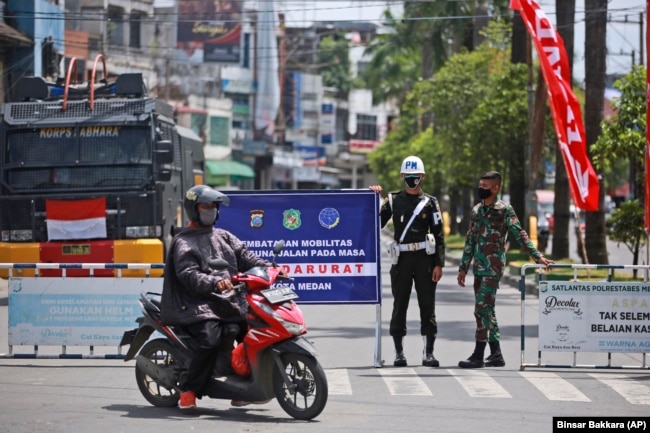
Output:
x=202 y=194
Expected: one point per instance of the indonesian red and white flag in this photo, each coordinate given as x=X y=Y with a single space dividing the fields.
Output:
x=76 y=219
x=565 y=107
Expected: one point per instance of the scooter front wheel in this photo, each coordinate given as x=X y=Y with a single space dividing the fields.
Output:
x=165 y=356
x=305 y=399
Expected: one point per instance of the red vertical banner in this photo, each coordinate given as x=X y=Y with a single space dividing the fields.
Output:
x=647 y=129
x=565 y=107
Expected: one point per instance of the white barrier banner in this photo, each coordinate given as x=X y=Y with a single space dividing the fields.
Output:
x=594 y=316
x=74 y=311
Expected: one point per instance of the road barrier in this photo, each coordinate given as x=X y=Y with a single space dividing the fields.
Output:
x=74 y=311
x=600 y=312
x=95 y=310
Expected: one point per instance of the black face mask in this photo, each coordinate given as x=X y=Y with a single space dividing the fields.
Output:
x=412 y=181
x=484 y=193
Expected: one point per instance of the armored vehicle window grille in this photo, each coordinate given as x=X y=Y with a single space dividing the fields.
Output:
x=168 y=133
x=60 y=179
x=86 y=157
x=77 y=110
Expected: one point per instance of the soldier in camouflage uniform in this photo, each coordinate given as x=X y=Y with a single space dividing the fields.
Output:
x=490 y=223
x=414 y=264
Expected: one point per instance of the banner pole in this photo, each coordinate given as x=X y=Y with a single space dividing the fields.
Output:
x=378 y=361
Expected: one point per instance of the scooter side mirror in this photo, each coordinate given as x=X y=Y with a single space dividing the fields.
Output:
x=218 y=264
x=277 y=248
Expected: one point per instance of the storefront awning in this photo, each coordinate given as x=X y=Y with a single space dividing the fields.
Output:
x=12 y=37
x=217 y=171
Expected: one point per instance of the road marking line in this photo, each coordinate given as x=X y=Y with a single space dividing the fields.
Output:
x=554 y=387
x=627 y=387
x=338 y=382
x=479 y=384
x=404 y=381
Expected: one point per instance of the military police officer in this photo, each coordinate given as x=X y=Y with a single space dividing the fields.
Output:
x=418 y=254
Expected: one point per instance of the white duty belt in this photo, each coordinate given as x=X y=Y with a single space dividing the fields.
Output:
x=415 y=246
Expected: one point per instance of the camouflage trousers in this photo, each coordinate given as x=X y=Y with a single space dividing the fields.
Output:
x=485 y=292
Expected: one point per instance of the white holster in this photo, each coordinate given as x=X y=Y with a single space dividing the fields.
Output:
x=393 y=251
x=430 y=244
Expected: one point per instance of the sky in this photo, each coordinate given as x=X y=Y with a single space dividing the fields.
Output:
x=622 y=38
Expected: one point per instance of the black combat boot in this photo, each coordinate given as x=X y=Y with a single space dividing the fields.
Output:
x=496 y=358
x=400 y=359
x=476 y=359
x=428 y=360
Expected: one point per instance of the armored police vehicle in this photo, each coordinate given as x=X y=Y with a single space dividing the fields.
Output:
x=91 y=173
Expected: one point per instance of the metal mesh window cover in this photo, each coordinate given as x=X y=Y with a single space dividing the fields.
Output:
x=58 y=179
x=104 y=109
x=107 y=156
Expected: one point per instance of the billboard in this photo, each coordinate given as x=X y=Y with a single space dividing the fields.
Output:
x=209 y=31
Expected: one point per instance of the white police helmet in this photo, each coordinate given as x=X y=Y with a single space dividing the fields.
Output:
x=412 y=165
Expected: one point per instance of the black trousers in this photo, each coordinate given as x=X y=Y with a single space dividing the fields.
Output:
x=207 y=336
x=413 y=267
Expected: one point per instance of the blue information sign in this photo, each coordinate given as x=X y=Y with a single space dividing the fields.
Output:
x=331 y=239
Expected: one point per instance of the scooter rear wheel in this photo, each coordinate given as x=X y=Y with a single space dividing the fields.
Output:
x=164 y=355
x=308 y=397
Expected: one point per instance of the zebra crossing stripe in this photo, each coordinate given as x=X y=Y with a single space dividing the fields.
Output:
x=479 y=384
x=553 y=386
x=338 y=382
x=627 y=387
x=404 y=381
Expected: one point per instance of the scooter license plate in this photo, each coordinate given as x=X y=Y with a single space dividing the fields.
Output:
x=277 y=295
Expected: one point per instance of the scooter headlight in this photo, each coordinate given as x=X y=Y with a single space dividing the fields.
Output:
x=293 y=328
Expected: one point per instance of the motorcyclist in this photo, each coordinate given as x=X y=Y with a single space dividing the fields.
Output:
x=197 y=297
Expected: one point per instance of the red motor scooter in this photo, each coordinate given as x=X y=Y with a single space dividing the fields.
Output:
x=282 y=361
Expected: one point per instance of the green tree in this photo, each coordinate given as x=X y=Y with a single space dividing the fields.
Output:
x=595 y=67
x=334 y=63
x=626 y=226
x=414 y=47
x=561 y=207
x=394 y=65
x=623 y=139
x=623 y=136
x=478 y=103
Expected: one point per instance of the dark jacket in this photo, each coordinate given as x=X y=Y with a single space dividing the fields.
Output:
x=189 y=283
x=429 y=220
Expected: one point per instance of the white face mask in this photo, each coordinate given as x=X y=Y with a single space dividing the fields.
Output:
x=208 y=217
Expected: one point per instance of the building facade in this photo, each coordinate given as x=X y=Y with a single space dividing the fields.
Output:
x=321 y=137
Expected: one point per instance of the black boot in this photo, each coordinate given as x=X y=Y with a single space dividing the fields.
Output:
x=428 y=360
x=496 y=358
x=476 y=359
x=400 y=359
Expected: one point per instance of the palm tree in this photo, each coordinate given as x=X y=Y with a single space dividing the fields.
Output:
x=595 y=67
x=565 y=10
x=394 y=66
